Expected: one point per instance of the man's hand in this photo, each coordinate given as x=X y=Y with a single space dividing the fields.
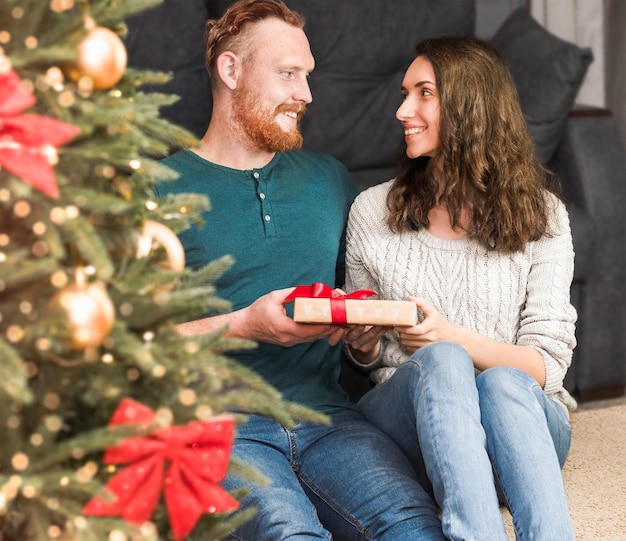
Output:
x=266 y=320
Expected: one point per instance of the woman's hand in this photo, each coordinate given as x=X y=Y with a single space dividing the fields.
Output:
x=433 y=328
x=484 y=351
x=364 y=341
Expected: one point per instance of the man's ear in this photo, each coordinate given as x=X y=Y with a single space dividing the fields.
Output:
x=228 y=68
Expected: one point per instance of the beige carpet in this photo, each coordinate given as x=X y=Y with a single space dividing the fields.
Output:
x=595 y=472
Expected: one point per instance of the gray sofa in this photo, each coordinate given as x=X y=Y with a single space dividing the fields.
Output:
x=362 y=48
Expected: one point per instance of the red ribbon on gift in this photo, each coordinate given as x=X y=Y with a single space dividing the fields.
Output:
x=28 y=142
x=198 y=452
x=337 y=300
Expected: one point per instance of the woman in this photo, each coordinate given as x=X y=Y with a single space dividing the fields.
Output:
x=471 y=232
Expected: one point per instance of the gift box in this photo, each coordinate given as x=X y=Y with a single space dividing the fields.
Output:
x=355 y=312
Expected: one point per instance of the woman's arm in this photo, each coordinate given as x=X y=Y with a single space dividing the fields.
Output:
x=484 y=351
x=545 y=337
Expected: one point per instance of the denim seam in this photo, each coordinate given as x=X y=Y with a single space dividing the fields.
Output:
x=323 y=496
x=506 y=503
x=293 y=451
x=295 y=466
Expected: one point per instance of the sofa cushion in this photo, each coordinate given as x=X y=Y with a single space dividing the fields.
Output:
x=548 y=72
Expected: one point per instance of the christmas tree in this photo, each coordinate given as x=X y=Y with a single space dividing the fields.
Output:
x=112 y=425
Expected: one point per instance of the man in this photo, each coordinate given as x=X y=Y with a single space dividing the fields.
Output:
x=281 y=212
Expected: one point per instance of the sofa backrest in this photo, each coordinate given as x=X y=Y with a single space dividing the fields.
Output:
x=362 y=49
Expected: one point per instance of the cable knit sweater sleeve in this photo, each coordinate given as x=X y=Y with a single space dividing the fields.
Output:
x=520 y=298
x=548 y=318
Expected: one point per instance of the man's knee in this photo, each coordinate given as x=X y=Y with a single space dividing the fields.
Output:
x=280 y=514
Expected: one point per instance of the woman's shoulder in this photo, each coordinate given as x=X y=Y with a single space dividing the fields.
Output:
x=373 y=199
x=368 y=214
x=559 y=215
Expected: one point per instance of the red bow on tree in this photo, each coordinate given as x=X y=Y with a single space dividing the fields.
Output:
x=28 y=142
x=199 y=453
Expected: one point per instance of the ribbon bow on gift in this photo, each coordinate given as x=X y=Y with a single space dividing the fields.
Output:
x=199 y=453
x=28 y=142
x=337 y=300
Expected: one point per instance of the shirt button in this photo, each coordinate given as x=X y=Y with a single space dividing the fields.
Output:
x=255 y=174
x=262 y=195
x=267 y=217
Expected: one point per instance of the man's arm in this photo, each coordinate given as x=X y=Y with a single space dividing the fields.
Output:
x=265 y=320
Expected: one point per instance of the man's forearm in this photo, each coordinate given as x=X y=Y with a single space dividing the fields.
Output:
x=209 y=324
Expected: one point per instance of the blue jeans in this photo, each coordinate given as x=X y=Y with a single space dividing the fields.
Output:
x=344 y=481
x=472 y=436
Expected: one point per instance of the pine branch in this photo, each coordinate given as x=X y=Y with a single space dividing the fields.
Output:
x=87 y=442
x=109 y=13
x=56 y=397
x=18 y=271
x=13 y=381
x=182 y=210
x=89 y=246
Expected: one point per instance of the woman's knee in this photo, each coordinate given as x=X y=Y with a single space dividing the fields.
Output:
x=511 y=397
x=444 y=364
x=508 y=395
x=443 y=349
x=442 y=357
x=506 y=381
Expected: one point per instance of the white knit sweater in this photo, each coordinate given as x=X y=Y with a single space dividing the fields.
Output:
x=521 y=298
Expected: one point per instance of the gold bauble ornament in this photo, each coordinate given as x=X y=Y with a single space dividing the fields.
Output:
x=159 y=234
x=100 y=56
x=89 y=311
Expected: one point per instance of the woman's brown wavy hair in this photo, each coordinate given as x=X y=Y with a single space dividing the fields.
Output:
x=487 y=155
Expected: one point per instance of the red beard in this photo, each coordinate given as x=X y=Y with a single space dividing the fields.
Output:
x=260 y=125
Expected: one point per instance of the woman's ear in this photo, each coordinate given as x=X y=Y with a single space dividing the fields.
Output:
x=228 y=67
